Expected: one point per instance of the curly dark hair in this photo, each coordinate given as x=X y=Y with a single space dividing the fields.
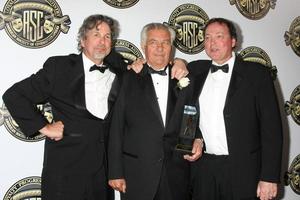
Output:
x=93 y=21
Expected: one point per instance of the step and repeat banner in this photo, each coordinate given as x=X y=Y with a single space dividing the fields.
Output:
x=33 y=30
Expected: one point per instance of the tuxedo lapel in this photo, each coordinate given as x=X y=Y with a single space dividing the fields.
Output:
x=77 y=85
x=148 y=88
x=235 y=81
x=113 y=93
x=171 y=98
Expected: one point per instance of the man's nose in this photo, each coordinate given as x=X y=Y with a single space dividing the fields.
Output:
x=160 y=45
x=101 y=40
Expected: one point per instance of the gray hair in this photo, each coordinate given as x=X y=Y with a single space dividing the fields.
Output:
x=93 y=21
x=153 y=26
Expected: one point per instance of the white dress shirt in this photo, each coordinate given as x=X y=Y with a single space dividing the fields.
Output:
x=97 y=88
x=161 y=86
x=212 y=101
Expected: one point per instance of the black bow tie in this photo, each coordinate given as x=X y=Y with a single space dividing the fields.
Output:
x=215 y=68
x=160 y=72
x=100 y=69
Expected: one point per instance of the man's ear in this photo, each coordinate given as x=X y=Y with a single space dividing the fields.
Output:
x=233 y=43
x=143 y=47
x=82 y=42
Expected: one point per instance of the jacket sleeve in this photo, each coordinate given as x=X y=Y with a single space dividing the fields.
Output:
x=115 y=61
x=117 y=128
x=22 y=98
x=270 y=129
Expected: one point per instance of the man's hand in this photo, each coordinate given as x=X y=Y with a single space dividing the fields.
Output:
x=196 y=151
x=118 y=184
x=137 y=65
x=179 y=69
x=53 y=131
x=266 y=190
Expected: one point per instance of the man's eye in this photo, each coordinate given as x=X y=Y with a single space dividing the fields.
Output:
x=166 y=43
x=152 y=42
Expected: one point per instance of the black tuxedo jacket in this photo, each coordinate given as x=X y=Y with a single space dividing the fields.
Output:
x=61 y=82
x=139 y=143
x=252 y=122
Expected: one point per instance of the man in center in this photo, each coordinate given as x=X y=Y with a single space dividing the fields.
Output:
x=144 y=128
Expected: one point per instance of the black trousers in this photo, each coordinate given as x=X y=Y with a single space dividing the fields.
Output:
x=211 y=179
x=175 y=185
x=56 y=186
x=163 y=191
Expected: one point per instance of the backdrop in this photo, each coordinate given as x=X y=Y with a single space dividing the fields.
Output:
x=31 y=31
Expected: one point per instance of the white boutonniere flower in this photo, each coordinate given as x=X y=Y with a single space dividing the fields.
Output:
x=183 y=82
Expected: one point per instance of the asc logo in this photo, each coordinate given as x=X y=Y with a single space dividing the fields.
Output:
x=33 y=24
x=254 y=9
x=188 y=20
x=292 y=37
x=128 y=50
x=256 y=54
x=292 y=107
x=27 y=188
x=121 y=3
x=14 y=129
x=292 y=176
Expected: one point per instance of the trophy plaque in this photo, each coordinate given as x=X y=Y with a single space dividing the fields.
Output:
x=187 y=130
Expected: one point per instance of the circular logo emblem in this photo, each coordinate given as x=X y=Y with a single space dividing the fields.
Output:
x=292 y=176
x=188 y=20
x=33 y=24
x=256 y=54
x=121 y=3
x=14 y=129
x=27 y=188
x=254 y=9
x=292 y=107
x=292 y=37
x=128 y=50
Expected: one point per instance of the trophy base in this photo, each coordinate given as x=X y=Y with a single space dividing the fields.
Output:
x=184 y=148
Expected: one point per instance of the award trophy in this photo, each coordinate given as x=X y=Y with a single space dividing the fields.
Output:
x=187 y=130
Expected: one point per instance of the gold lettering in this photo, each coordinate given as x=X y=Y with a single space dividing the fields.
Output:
x=189 y=34
x=253 y=6
x=26 y=24
x=32 y=29
x=40 y=32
